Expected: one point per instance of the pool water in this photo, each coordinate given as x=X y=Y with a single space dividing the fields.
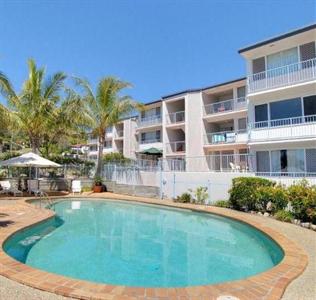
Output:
x=130 y=244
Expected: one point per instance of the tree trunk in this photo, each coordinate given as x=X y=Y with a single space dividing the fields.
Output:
x=34 y=145
x=100 y=156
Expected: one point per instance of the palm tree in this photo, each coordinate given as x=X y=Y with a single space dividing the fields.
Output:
x=106 y=107
x=35 y=109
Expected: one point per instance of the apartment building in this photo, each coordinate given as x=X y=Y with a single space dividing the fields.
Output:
x=119 y=138
x=264 y=122
x=281 y=96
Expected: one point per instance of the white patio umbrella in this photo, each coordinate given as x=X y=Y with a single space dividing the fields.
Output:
x=29 y=160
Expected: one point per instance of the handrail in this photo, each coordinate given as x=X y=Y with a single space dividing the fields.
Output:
x=175 y=117
x=149 y=120
x=282 y=76
x=283 y=122
x=150 y=141
x=223 y=136
x=224 y=106
x=177 y=146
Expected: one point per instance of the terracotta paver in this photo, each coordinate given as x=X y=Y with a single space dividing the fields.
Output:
x=267 y=285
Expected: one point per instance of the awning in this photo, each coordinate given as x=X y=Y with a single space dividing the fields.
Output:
x=152 y=151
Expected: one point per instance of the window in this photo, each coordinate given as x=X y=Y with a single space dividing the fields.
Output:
x=108 y=144
x=311 y=160
x=282 y=58
x=285 y=109
x=258 y=65
x=263 y=161
x=242 y=125
x=261 y=114
x=307 y=51
x=288 y=161
x=309 y=105
x=241 y=92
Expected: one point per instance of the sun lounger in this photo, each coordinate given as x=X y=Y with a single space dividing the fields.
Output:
x=7 y=188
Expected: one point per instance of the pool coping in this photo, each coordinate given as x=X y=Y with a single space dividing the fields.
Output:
x=270 y=284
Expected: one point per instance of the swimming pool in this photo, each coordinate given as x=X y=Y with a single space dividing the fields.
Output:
x=124 y=243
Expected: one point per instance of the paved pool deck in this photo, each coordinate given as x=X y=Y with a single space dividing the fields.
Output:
x=293 y=279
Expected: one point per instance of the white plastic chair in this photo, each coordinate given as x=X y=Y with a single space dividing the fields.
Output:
x=233 y=167
x=76 y=186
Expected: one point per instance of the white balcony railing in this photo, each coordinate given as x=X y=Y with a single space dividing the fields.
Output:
x=225 y=106
x=282 y=76
x=284 y=122
x=176 y=117
x=297 y=127
x=224 y=137
x=175 y=147
x=150 y=141
x=149 y=121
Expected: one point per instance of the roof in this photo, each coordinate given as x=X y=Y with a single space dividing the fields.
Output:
x=278 y=38
x=204 y=88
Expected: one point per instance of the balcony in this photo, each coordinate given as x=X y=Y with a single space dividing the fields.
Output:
x=149 y=121
x=283 y=76
x=283 y=129
x=119 y=134
x=225 y=106
x=150 y=141
x=175 y=147
x=175 y=117
x=225 y=137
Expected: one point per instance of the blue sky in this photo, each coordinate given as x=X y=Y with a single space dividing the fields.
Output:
x=159 y=46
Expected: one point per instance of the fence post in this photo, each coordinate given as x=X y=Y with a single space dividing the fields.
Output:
x=209 y=191
x=160 y=180
x=174 y=185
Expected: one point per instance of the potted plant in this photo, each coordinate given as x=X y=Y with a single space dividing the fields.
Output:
x=98 y=184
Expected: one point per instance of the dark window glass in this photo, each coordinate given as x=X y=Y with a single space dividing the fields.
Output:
x=310 y=105
x=307 y=51
x=258 y=65
x=241 y=92
x=311 y=160
x=261 y=114
x=158 y=135
x=263 y=161
x=285 y=109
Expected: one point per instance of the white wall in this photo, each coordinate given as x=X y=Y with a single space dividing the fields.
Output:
x=218 y=183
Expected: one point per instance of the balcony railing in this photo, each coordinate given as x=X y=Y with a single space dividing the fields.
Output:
x=281 y=129
x=225 y=106
x=148 y=121
x=175 y=147
x=223 y=137
x=150 y=141
x=176 y=117
x=283 y=122
x=283 y=76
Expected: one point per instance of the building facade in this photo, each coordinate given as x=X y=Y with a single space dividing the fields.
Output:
x=264 y=122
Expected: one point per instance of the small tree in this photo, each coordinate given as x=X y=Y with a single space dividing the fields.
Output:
x=106 y=106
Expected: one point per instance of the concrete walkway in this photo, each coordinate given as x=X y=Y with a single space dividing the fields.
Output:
x=302 y=288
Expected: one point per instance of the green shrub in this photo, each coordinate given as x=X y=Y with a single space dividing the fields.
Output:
x=222 y=203
x=115 y=156
x=302 y=197
x=276 y=195
x=184 y=198
x=244 y=192
x=87 y=189
x=283 y=215
x=200 y=194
